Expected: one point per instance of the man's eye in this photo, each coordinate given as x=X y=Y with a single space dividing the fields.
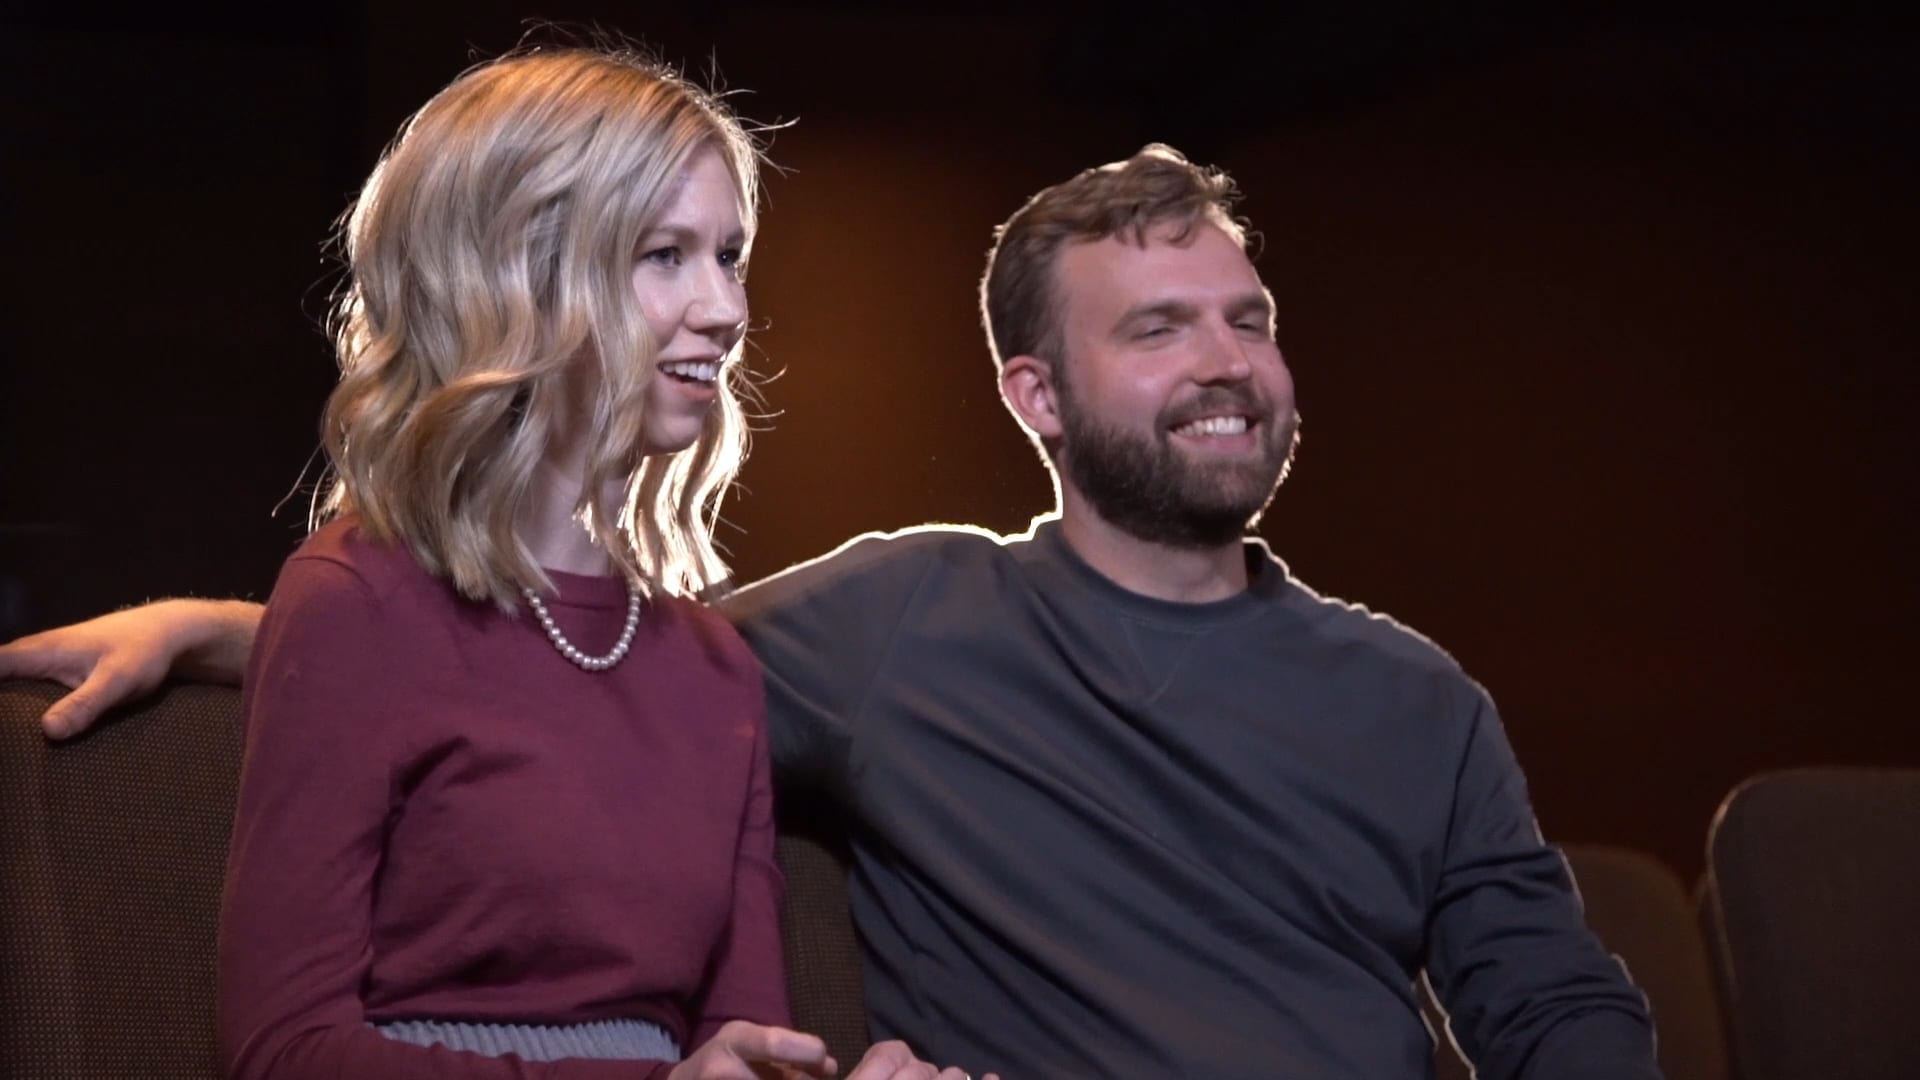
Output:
x=664 y=256
x=1154 y=331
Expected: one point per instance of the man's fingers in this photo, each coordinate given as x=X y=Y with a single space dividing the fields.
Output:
x=76 y=712
x=882 y=1061
x=63 y=718
x=893 y=1060
x=98 y=684
x=110 y=684
x=28 y=658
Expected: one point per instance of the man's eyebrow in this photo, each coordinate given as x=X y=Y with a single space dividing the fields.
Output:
x=1170 y=310
x=1256 y=303
x=1253 y=303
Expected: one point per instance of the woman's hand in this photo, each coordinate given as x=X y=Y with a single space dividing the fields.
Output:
x=744 y=1051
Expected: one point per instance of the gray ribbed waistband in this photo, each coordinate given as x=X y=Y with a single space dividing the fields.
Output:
x=607 y=1040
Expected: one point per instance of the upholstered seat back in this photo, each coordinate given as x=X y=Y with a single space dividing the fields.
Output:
x=1812 y=900
x=823 y=955
x=1639 y=910
x=113 y=847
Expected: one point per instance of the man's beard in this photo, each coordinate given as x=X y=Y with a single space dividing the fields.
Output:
x=1146 y=487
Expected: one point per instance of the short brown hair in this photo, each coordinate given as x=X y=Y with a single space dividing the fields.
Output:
x=1156 y=186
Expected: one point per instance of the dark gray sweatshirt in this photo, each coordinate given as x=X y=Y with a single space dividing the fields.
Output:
x=1098 y=834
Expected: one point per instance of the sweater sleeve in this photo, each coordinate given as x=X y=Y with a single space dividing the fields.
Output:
x=1528 y=990
x=317 y=792
x=821 y=631
x=748 y=973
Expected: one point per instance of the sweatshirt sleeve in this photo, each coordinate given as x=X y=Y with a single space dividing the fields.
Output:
x=1528 y=990
x=821 y=631
x=317 y=791
x=748 y=972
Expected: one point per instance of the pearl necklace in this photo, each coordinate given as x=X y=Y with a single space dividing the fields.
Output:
x=567 y=648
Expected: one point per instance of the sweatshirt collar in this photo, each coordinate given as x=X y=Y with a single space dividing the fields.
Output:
x=1267 y=580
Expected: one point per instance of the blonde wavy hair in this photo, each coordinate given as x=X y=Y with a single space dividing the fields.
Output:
x=490 y=251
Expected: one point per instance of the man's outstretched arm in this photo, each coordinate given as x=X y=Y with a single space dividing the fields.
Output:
x=124 y=656
x=1529 y=991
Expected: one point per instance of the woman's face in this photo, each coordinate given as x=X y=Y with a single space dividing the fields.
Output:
x=688 y=278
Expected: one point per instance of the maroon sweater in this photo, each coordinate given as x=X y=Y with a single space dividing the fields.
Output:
x=441 y=817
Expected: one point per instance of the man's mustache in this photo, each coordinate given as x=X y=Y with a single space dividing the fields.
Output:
x=1215 y=400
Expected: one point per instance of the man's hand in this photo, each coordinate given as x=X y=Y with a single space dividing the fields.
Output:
x=894 y=1061
x=122 y=657
x=744 y=1051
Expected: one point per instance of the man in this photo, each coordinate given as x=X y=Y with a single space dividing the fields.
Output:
x=1128 y=799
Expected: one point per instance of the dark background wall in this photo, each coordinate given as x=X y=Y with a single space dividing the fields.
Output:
x=1600 y=318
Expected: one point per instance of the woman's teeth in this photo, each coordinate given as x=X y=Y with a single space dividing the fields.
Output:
x=699 y=370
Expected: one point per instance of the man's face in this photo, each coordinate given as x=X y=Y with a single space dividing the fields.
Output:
x=1176 y=406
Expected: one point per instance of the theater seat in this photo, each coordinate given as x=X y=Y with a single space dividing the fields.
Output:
x=112 y=847
x=1640 y=911
x=1812 y=904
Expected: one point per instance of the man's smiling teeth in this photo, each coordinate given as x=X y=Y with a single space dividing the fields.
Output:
x=704 y=371
x=1214 y=425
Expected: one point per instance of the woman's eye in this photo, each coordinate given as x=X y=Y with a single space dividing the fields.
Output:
x=732 y=259
x=665 y=256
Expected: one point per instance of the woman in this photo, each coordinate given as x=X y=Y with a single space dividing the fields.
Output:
x=505 y=808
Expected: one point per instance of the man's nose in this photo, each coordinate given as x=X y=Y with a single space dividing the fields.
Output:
x=1223 y=357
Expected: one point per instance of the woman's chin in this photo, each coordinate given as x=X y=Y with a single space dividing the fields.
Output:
x=671 y=438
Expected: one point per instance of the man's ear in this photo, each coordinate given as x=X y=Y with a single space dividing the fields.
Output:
x=1027 y=386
